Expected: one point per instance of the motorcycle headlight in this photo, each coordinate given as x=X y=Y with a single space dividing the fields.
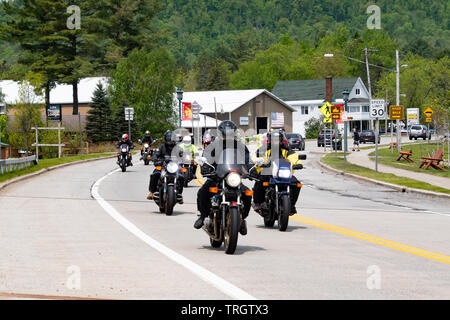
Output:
x=234 y=180
x=172 y=167
x=146 y=145
x=124 y=150
x=284 y=173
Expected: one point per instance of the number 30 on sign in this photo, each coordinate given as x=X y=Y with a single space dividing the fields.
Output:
x=377 y=108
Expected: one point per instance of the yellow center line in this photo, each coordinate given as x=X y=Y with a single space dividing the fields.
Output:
x=384 y=242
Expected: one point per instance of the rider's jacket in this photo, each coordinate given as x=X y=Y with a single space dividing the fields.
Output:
x=188 y=148
x=284 y=153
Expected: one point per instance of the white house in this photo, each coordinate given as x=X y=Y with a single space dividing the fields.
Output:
x=308 y=96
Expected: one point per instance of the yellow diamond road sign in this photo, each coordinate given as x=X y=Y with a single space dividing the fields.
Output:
x=428 y=112
x=325 y=109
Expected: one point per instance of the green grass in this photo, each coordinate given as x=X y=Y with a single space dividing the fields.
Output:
x=387 y=157
x=46 y=163
x=338 y=163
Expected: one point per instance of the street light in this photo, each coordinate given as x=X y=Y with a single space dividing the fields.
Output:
x=345 y=94
x=179 y=97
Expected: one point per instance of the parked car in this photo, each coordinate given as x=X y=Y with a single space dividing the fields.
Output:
x=368 y=136
x=296 y=141
x=418 y=131
x=325 y=135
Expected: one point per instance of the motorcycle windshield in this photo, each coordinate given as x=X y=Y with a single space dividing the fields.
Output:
x=231 y=160
x=124 y=147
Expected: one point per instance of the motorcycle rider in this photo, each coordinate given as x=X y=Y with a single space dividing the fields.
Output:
x=125 y=140
x=187 y=147
x=147 y=138
x=226 y=139
x=276 y=140
x=208 y=137
x=167 y=149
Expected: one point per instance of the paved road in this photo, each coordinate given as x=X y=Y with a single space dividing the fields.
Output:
x=350 y=240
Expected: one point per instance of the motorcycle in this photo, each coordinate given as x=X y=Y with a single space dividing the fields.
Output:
x=145 y=150
x=124 y=157
x=187 y=169
x=277 y=205
x=167 y=195
x=225 y=218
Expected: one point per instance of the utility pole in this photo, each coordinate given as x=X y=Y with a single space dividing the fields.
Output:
x=397 y=68
x=368 y=79
x=386 y=112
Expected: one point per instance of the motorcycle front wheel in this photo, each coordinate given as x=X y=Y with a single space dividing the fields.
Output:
x=233 y=223
x=123 y=165
x=285 y=207
x=170 y=198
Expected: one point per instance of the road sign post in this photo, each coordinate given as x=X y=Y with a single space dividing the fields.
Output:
x=377 y=107
x=129 y=115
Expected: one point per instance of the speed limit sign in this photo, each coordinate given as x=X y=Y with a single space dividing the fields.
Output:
x=377 y=109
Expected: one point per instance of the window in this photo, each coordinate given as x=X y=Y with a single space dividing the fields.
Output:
x=304 y=109
x=358 y=91
x=365 y=108
x=355 y=109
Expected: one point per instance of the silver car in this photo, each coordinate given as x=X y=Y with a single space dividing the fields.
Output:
x=418 y=131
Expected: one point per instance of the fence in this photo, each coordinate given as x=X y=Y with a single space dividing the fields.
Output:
x=10 y=165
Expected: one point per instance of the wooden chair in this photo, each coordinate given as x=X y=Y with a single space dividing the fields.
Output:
x=405 y=155
x=434 y=160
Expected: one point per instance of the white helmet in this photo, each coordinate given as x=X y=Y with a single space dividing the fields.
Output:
x=187 y=140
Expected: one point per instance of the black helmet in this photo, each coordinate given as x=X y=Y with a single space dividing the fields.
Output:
x=227 y=128
x=169 y=138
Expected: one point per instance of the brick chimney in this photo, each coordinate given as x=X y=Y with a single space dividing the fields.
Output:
x=328 y=88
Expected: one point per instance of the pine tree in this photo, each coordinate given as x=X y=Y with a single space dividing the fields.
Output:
x=99 y=118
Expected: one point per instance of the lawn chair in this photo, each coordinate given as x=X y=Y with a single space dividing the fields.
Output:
x=405 y=155
x=434 y=160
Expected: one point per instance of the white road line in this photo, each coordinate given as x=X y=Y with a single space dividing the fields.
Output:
x=204 y=274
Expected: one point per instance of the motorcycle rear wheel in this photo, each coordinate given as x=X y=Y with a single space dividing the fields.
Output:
x=214 y=243
x=268 y=221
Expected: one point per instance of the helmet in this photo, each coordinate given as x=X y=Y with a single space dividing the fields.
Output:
x=147 y=132
x=125 y=137
x=169 y=138
x=187 y=140
x=227 y=128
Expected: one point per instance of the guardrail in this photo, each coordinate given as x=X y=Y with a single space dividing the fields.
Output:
x=10 y=165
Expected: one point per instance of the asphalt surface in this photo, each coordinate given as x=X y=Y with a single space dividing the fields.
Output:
x=350 y=240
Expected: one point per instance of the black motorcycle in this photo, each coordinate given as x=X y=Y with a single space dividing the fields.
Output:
x=225 y=218
x=277 y=203
x=187 y=168
x=147 y=151
x=124 y=156
x=167 y=195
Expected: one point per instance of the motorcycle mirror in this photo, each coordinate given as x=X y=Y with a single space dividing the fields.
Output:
x=199 y=160
x=302 y=156
x=140 y=141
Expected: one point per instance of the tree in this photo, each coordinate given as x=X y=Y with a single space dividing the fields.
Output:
x=312 y=128
x=146 y=82
x=99 y=119
x=27 y=111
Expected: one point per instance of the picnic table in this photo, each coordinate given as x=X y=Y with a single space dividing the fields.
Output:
x=433 y=161
x=405 y=155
